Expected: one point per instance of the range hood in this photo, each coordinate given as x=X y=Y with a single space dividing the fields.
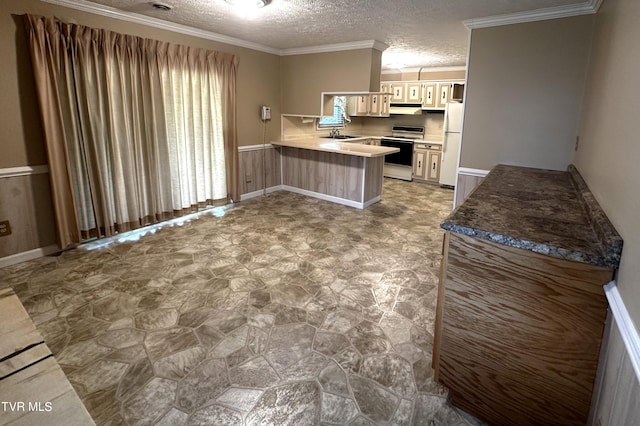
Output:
x=405 y=109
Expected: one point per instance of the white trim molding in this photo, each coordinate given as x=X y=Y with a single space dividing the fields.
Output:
x=24 y=171
x=472 y=172
x=28 y=255
x=111 y=12
x=255 y=147
x=585 y=8
x=625 y=324
x=424 y=69
x=325 y=197
x=260 y=192
x=137 y=18
x=338 y=47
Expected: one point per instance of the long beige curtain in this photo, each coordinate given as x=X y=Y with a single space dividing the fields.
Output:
x=137 y=130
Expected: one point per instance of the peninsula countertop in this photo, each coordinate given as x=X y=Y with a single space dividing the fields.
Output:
x=354 y=146
x=544 y=211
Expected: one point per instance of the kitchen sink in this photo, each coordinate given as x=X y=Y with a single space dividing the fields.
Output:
x=339 y=137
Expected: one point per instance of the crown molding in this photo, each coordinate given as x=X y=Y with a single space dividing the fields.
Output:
x=110 y=12
x=423 y=69
x=338 y=47
x=585 y=8
x=137 y=18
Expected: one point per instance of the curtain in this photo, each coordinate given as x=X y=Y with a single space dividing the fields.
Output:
x=137 y=130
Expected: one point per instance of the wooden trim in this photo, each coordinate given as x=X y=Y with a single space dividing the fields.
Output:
x=24 y=171
x=625 y=325
x=28 y=255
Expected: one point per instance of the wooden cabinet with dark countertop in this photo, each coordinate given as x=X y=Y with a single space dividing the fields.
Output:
x=521 y=308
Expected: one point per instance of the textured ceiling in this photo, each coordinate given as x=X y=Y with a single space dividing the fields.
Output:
x=419 y=33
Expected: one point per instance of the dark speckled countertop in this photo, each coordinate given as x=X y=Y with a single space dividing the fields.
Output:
x=544 y=211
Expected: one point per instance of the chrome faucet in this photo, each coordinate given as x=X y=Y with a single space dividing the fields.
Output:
x=334 y=133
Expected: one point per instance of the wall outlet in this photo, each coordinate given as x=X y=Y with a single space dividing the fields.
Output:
x=5 y=228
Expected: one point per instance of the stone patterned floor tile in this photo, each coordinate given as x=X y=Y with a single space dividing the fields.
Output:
x=157 y=319
x=215 y=415
x=334 y=380
x=337 y=409
x=150 y=402
x=179 y=364
x=392 y=372
x=160 y=344
x=368 y=338
x=136 y=376
x=291 y=404
x=173 y=417
x=98 y=376
x=263 y=313
x=402 y=416
x=256 y=373
x=375 y=401
x=202 y=384
x=240 y=399
x=121 y=338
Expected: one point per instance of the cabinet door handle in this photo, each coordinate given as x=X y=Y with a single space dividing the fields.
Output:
x=434 y=165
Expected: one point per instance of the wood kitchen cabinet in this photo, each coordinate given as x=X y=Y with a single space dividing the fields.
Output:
x=521 y=309
x=398 y=92
x=369 y=105
x=431 y=95
x=426 y=162
x=444 y=95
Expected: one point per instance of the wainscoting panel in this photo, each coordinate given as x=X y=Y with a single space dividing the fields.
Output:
x=468 y=180
x=25 y=201
x=618 y=401
x=252 y=176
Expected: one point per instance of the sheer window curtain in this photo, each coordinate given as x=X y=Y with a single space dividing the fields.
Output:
x=137 y=131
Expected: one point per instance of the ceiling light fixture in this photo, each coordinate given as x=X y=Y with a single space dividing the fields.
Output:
x=248 y=4
x=162 y=6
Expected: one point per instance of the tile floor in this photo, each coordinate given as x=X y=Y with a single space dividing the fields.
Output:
x=283 y=310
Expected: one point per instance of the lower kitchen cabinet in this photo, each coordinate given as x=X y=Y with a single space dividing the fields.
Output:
x=521 y=308
x=426 y=162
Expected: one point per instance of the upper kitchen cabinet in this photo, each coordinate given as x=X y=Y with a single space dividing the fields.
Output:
x=431 y=95
x=369 y=104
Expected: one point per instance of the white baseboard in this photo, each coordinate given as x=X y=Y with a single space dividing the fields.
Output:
x=28 y=255
x=260 y=192
x=254 y=147
x=23 y=171
x=625 y=325
x=472 y=172
x=338 y=200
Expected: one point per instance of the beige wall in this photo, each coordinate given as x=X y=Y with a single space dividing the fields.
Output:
x=305 y=77
x=524 y=91
x=609 y=152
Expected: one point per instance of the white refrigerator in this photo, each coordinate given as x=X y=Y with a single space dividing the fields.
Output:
x=451 y=143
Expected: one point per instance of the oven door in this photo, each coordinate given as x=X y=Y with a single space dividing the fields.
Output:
x=402 y=158
x=398 y=165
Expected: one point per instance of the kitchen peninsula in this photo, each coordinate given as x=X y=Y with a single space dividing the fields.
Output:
x=349 y=173
x=521 y=306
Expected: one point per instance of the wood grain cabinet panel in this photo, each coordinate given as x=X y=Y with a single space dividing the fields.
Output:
x=518 y=333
